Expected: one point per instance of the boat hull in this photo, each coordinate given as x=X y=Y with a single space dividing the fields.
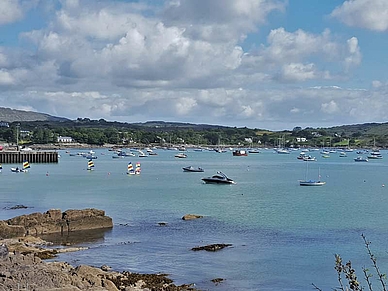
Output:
x=192 y=169
x=311 y=183
x=216 y=181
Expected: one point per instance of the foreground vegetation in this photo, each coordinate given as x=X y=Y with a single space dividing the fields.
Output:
x=100 y=132
x=346 y=274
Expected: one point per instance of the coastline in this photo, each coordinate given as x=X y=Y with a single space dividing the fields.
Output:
x=24 y=254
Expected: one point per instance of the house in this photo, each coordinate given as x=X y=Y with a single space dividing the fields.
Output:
x=301 y=139
x=4 y=124
x=65 y=139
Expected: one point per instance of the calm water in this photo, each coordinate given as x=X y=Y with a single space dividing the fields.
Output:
x=284 y=236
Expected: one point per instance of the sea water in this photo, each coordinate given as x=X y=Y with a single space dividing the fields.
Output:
x=283 y=236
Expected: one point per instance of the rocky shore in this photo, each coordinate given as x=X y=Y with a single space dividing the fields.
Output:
x=22 y=255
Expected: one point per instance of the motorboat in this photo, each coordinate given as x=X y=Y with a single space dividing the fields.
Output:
x=219 y=178
x=181 y=155
x=240 y=153
x=361 y=159
x=192 y=169
x=375 y=155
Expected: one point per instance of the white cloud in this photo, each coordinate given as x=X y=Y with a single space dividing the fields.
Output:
x=220 y=20
x=369 y=14
x=10 y=11
x=6 y=78
x=330 y=107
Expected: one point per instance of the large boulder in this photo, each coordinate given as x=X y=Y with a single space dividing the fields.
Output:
x=54 y=221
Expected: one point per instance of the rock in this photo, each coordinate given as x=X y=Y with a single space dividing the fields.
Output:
x=211 y=248
x=54 y=221
x=3 y=251
x=191 y=216
x=105 y=268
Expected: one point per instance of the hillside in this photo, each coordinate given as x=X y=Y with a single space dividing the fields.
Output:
x=13 y=115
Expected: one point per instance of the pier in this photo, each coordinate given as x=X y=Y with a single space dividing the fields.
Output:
x=14 y=157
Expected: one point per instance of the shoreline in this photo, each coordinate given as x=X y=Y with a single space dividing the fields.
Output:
x=27 y=242
x=23 y=265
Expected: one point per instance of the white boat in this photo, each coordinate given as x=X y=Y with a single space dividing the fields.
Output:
x=192 y=169
x=375 y=155
x=309 y=158
x=219 y=178
x=142 y=154
x=361 y=159
x=307 y=182
x=282 y=151
x=1 y=168
x=25 y=168
x=181 y=155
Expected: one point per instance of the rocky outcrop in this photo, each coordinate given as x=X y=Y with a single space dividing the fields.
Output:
x=29 y=272
x=211 y=248
x=55 y=221
x=191 y=216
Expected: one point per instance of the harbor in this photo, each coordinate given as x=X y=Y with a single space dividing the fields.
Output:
x=13 y=157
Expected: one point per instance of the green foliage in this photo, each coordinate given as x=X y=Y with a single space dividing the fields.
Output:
x=346 y=274
x=99 y=132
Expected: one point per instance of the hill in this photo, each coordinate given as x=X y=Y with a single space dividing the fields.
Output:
x=13 y=115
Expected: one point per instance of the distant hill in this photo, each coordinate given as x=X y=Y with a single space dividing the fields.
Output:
x=13 y=115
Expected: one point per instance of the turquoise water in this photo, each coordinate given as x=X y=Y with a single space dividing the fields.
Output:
x=284 y=236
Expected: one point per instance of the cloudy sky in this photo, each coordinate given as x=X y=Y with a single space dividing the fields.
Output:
x=272 y=64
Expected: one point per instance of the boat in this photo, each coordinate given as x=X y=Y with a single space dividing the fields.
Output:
x=240 y=153
x=311 y=183
x=137 y=169
x=309 y=159
x=25 y=168
x=1 y=168
x=361 y=159
x=219 y=178
x=181 y=155
x=343 y=155
x=253 y=151
x=375 y=155
x=142 y=154
x=130 y=169
x=90 y=165
x=306 y=182
x=192 y=169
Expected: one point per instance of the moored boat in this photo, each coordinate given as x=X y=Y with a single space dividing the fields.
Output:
x=219 y=178
x=192 y=169
x=240 y=153
x=181 y=155
x=361 y=159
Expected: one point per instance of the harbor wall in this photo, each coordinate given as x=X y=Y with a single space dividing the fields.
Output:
x=14 y=157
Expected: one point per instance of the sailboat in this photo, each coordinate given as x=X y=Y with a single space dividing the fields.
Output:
x=130 y=170
x=137 y=169
x=90 y=165
x=306 y=182
x=26 y=166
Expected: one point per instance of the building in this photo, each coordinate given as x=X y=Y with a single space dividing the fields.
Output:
x=4 y=124
x=65 y=139
x=301 y=139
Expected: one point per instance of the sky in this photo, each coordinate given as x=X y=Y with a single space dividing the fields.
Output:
x=268 y=64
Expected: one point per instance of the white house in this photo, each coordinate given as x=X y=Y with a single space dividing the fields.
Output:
x=65 y=139
x=301 y=139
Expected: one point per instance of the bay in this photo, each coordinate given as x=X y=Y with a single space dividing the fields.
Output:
x=283 y=236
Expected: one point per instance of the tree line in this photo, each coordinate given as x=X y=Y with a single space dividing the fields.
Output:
x=101 y=132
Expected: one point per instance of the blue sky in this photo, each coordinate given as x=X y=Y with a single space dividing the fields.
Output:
x=271 y=64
